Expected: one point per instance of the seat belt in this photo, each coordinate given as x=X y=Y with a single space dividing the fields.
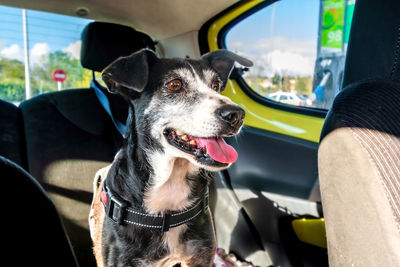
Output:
x=101 y=96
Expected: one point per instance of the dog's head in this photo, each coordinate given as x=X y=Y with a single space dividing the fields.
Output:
x=178 y=104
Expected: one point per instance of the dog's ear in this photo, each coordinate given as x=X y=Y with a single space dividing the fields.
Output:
x=128 y=75
x=222 y=61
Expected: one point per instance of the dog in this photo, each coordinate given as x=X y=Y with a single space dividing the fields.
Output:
x=150 y=206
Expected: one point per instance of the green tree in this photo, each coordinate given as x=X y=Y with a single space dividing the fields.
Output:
x=12 y=75
x=42 y=81
x=276 y=79
x=304 y=85
x=12 y=81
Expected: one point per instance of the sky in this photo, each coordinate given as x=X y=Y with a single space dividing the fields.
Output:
x=47 y=32
x=281 y=38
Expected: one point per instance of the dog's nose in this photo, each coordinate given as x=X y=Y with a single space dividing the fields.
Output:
x=233 y=115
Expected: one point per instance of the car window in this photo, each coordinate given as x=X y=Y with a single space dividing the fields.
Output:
x=50 y=42
x=283 y=97
x=298 y=46
x=302 y=97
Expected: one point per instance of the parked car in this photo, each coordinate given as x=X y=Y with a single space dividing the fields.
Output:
x=288 y=98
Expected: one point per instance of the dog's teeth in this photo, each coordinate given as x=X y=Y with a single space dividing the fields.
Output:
x=179 y=132
x=185 y=137
x=192 y=142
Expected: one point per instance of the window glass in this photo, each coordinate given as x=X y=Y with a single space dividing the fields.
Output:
x=52 y=43
x=298 y=47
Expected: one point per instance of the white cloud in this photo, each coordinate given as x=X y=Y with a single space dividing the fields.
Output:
x=289 y=63
x=282 y=55
x=304 y=47
x=74 y=49
x=3 y=43
x=13 y=51
x=37 y=51
x=236 y=45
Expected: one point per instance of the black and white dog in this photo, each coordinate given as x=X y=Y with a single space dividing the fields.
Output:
x=152 y=209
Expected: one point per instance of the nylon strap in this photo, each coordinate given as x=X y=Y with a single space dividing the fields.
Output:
x=102 y=97
x=120 y=212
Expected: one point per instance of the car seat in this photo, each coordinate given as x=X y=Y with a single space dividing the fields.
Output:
x=33 y=234
x=359 y=152
x=11 y=136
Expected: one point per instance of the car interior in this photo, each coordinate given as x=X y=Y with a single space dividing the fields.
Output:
x=288 y=201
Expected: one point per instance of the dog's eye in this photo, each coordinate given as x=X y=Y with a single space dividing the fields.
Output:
x=216 y=86
x=174 y=85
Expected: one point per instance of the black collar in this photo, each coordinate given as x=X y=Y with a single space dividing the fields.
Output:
x=120 y=212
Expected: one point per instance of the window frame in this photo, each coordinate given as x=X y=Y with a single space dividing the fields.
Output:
x=221 y=42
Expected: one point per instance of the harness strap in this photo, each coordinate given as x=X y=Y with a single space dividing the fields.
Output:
x=101 y=96
x=119 y=211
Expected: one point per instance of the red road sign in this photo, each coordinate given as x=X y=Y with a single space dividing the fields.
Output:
x=59 y=75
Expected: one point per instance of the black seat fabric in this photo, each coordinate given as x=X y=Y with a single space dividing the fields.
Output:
x=33 y=234
x=69 y=136
x=374 y=42
x=102 y=43
x=11 y=137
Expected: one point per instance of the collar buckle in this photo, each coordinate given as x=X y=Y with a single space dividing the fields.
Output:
x=115 y=207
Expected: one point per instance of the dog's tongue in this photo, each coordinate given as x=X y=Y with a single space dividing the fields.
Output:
x=218 y=149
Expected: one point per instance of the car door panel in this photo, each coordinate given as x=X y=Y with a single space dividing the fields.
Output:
x=271 y=162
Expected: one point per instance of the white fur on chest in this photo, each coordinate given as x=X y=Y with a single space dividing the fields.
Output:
x=168 y=188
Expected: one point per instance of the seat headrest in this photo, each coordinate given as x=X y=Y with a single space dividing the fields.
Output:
x=102 y=43
x=374 y=42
